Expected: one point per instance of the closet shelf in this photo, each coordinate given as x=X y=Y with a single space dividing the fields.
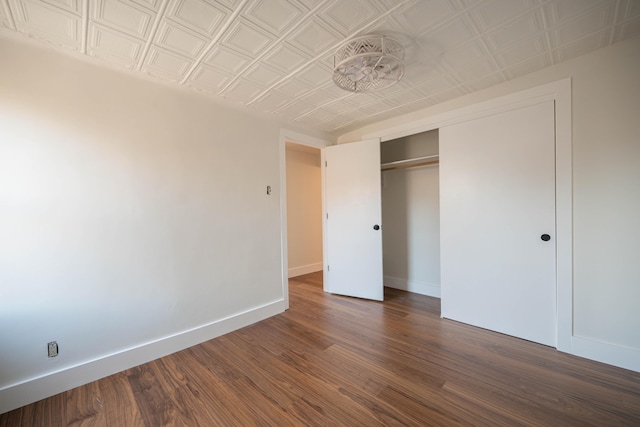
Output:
x=411 y=163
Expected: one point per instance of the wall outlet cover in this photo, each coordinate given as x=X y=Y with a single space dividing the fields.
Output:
x=52 y=349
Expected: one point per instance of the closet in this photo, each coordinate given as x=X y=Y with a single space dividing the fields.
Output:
x=410 y=213
x=476 y=229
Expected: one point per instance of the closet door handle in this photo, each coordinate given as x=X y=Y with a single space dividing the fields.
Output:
x=376 y=227
x=545 y=237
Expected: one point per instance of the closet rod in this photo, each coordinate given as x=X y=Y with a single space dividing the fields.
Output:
x=413 y=165
x=413 y=160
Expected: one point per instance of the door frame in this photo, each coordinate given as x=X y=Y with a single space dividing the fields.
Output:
x=288 y=135
x=560 y=93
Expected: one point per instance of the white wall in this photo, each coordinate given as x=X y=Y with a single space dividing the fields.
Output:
x=606 y=200
x=134 y=221
x=304 y=210
x=411 y=217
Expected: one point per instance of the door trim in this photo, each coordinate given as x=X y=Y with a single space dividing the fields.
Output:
x=288 y=135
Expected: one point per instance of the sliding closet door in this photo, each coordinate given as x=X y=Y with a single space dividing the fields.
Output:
x=354 y=209
x=497 y=213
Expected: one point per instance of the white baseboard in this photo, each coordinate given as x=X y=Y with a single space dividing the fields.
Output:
x=29 y=391
x=305 y=269
x=429 y=289
x=611 y=354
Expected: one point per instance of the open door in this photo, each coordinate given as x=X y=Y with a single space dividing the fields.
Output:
x=353 y=222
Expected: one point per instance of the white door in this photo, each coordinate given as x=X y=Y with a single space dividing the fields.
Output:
x=353 y=225
x=497 y=208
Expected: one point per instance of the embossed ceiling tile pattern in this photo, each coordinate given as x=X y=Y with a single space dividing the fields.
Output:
x=326 y=120
x=433 y=86
x=315 y=75
x=320 y=97
x=151 y=4
x=230 y=4
x=272 y=101
x=277 y=16
x=463 y=55
x=246 y=38
x=123 y=16
x=5 y=19
x=421 y=103
x=346 y=16
x=340 y=106
x=179 y=39
x=379 y=106
x=559 y=11
x=263 y=75
x=166 y=64
x=198 y=15
x=584 y=45
x=327 y=61
x=491 y=14
x=383 y=115
x=449 y=36
x=43 y=21
x=276 y=56
x=73 y=6
x=209 y=79
x=317 y=114
x=596 y=20
x=227 y=60
x=294 y=109
x=314 y=37
x=107 y=44
x=430 y=68
x=480 y=67
x=425 y=15
x=521 y=28
x=483 y=82
x=447 y=95
x=339 y=123
x=310 y=4
x=628 y=19
x=242 y=91
x=286 y=58
x=629 y=29
x=528 y=66
x=405 y=97
x=522 y=51
x=399 y=87
x=294 y=88
x=631 y=9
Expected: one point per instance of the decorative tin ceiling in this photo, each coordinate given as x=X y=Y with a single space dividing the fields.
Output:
x=275 y=56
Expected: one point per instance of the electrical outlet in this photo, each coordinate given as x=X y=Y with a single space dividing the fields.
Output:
x=52 y=349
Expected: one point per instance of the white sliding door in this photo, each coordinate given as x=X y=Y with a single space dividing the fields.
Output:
x=497 y=208
x=353 y=234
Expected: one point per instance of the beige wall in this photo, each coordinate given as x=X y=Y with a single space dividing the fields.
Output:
x=133 y=219
x=411 y=217
x=606 y=200
x=304 y=210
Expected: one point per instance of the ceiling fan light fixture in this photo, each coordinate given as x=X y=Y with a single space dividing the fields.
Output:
x=368 y=63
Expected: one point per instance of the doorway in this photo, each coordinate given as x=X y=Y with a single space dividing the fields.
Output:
x=304 y=209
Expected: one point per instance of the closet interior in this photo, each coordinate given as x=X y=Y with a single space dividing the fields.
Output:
x=411 y=213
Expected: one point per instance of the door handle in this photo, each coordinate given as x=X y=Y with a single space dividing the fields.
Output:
x=545 y=237
x=376 y=227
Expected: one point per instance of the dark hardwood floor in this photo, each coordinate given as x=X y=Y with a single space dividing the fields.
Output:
x=333 y=360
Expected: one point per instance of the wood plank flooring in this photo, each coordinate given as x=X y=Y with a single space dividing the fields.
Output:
x=333 y=360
